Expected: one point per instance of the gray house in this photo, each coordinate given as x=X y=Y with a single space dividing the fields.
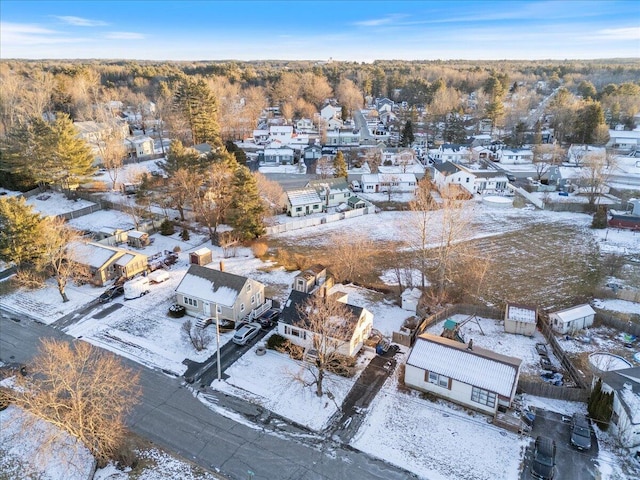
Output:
x=205 y=292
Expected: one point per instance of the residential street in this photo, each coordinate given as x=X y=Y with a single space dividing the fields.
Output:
x=172 y=417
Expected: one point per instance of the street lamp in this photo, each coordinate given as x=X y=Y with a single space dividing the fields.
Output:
x=218 y=344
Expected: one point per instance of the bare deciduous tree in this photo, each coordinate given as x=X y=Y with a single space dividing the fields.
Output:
x=545 y=156
x=351 y=256
x=81 y=390
x=199 y=337
x=596 y=170
x=332 y=324
x=419 y=234
x=272 y=194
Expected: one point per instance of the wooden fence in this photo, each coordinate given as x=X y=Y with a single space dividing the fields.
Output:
x=627 y=323
x=541 y=389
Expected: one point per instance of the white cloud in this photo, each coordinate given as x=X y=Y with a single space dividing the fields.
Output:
x=377 y=22
x=631 y=33
x=125 y=36
x=81 y=22
x=28 y=34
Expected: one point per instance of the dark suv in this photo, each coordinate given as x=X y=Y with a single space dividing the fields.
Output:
x=580 y=432
x=543 y=465
x=269 y=318
x=111 y=293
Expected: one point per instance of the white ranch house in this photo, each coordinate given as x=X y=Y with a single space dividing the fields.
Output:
x=516 y=155
x=332 y=191
x=304 y=201
x=206 y=292
x=571 y=319
x=292 y=327
x=470 y=376
x=278 y=156
x=451 y=153
x=385 y=182
x=624 y=141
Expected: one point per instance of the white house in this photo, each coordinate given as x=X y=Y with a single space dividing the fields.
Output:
x=398 y=156
x=292 y=326
x=343 y=136
x=571 y=319
x=206 y=292
x=487 y=181
x=514 y=155
x=332 y=191
x=624 y=141
x=334 y=124
x=465 y=374
x=277 y=156
x=305 y=125
x=330 y=111
x=449 y=173
x=520 y=319
x=261 y=137
x=451 y=153
x=304 y=201
x=140 y=146
x=282 y=133
x=385 y=182
x=625 y=419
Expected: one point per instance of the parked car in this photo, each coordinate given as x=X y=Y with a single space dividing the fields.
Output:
x=246 y=332
x=111 y=293
x=269 y=318
x=580 y=432
x=543 y=465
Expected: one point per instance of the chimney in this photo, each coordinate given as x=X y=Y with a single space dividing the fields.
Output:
x=470 y=346
x=221 y=266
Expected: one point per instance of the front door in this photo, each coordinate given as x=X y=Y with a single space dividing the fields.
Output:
x=206 y=307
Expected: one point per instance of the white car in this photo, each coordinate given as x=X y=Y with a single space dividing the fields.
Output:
x=246 y=332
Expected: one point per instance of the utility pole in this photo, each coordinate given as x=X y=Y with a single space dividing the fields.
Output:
x=218 y=344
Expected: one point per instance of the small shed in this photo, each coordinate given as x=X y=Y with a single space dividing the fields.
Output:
x=202 y=256
x=571 y=319
x=138 y=239
x=410 y=299
x=356 y=202
x=520 y=319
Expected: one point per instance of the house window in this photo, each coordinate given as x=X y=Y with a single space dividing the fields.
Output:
x=316 y=207
x=298 y=209
x=248 y=287
x=218 y=309
x=295 y=332
x=242 y=307
x=190 y=301
x=253 y=299
x=467 y=179
x=483 y=397
x=437 y=379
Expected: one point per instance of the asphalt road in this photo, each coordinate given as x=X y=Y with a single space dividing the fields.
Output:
x=171 y=416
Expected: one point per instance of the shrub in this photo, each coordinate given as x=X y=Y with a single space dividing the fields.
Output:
x=185 y=234
x=167 y=227
x=276 y=342
x=599 y=218
x=5 y=398
x=177 y=249
x=259 y=249
x=342 y=365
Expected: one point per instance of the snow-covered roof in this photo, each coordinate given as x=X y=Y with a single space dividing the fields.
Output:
x=211 y=285
x=521 y=314
x=136 y=234
x=123 y=260
x=202 y=251
x=574 y=313
x=478 y=367
x=303 y=196
x=92 y=254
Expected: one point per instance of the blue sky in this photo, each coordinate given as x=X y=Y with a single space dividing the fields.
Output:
x=360 y=31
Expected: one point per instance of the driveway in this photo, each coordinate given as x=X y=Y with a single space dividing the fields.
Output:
x=570 y=463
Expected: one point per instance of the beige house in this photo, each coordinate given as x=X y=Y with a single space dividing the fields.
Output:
x=206 y=292
x=106 y=262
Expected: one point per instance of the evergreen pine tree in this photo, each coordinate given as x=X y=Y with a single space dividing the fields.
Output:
x=199 y=105
x=407 y=137
x=339 y=166
x=247 y=208
x=21 y=231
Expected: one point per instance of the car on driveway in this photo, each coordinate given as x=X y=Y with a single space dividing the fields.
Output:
x=543 y=465
x=111 y=293
x=246 y=332
x=269 y=318
x=580 y=432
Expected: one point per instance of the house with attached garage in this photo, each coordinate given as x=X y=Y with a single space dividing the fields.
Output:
x=304 y=201
x=206 y=292
x=293 y=327
x=450 y=152
x=572 y=319
x=281 y=155
x=462 y=373
x=332 y=191
x=625 y=419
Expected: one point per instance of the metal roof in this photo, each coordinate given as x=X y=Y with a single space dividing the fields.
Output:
x=478 y=367
x=303 y=196
x=574 y=313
